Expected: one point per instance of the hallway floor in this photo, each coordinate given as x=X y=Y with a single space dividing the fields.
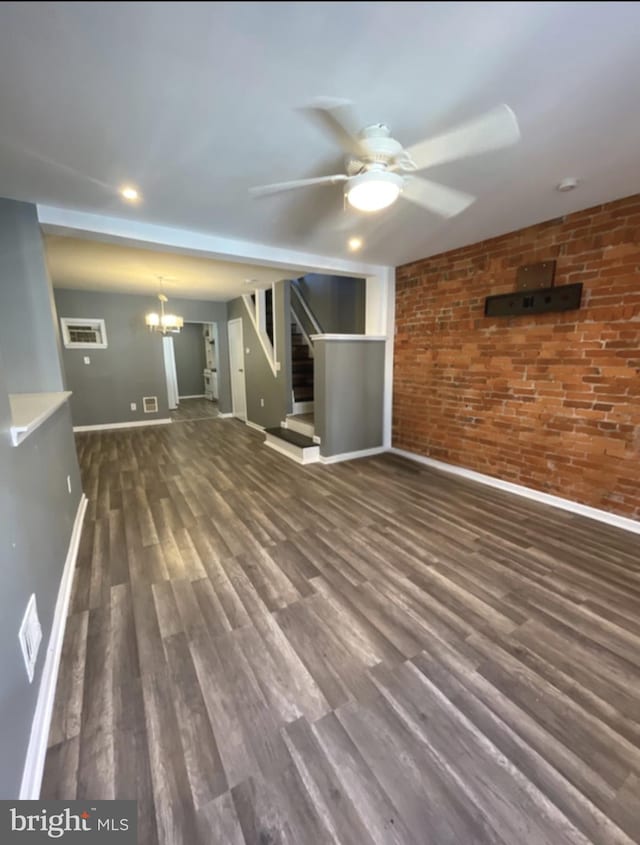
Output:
x=370 y=652
x=194 y=409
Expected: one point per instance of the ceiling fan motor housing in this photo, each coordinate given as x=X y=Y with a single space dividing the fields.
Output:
x=377 y=145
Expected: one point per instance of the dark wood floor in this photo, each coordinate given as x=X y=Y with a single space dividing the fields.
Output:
x=370 y=652
x=194 y=409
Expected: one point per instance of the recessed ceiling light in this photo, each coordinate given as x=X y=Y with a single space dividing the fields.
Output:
x=130 y=193
x=355 y=244
x=567 y=184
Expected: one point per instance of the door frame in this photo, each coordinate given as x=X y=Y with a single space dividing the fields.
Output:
x=170 y=372
x=237 y=321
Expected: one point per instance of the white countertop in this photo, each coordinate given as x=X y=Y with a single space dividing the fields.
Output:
x=30 y=410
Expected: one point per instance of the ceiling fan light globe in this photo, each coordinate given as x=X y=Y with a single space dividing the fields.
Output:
x=373 y=191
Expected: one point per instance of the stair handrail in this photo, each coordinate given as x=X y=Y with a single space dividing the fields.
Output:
x=303 y=331
x=305 y=306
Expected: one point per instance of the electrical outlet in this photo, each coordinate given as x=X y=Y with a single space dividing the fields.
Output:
x=134 y=406
x=30 y=636
x=87 y=360
x=261 y=402
x=69 y=483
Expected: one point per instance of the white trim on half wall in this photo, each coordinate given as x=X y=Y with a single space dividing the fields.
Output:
x=37 y=748
x=134 y=424
x=623 y=522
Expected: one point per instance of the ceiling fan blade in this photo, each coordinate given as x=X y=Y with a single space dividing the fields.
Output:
x=337 y=119
x=264 y=190
x=496 y=129
x=447 y=202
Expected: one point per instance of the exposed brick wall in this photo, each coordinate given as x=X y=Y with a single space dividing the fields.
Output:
x=550 y=401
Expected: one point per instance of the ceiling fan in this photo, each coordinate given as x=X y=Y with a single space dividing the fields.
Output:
x=379 y=169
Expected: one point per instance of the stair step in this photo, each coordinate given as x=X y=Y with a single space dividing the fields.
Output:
x=302 y=407
x=302 y=393
x=292 y=444
x=290 y=436
x=301 y=380
x=302 y=423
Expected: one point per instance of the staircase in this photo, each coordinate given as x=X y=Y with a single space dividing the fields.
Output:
x=301 y=367
x=295 y=436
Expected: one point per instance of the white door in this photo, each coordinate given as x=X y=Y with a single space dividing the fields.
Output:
x=236 y=365
x=170 y=371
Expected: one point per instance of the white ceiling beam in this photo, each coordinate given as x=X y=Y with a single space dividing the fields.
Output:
x=154 y=236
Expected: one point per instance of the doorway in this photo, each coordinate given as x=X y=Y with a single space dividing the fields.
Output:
x=192 y=387
x=236 y=365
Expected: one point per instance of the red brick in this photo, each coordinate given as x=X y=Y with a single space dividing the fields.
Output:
x=551 y=401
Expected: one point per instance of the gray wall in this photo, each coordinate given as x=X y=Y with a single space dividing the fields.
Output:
x=190 y=359
x=337 y=302
x=29 y=343
x=348 y=394
x=36 y=510
x=261 y=384
x=132 y=365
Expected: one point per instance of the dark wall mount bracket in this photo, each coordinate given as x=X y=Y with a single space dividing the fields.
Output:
x=540 y=301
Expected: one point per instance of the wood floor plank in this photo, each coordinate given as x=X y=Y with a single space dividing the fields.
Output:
x=95 y=769
x=175 y=812
x=332 y=804
x=435 y=811
x=487 y=778
x=381 y=818
x=219 y=696
x=60 y=776
x=66 y=718
x=218 y=823
x=202 y=759
x=368 y=653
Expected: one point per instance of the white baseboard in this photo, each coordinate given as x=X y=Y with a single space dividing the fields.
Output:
x=527 y=492
x=351 y=456
x=134 y=424
x=193 y=396
x=224 y=416
x=254 y=425
x=37 y=749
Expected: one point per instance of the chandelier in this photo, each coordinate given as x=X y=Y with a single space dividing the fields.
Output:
x=163 y=322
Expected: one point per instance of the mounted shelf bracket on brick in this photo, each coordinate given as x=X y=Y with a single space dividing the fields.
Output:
x=563 y=298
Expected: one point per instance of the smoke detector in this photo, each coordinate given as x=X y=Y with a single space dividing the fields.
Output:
x=567 y=184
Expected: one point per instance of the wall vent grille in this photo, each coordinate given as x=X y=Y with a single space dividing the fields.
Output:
x=78 y=333
x=150 y=404
x=30 y=636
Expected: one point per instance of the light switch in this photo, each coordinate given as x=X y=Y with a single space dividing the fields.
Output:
x=87 y=360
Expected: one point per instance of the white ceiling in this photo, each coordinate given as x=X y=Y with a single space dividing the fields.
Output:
x=91 y=265
x=196 y=102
